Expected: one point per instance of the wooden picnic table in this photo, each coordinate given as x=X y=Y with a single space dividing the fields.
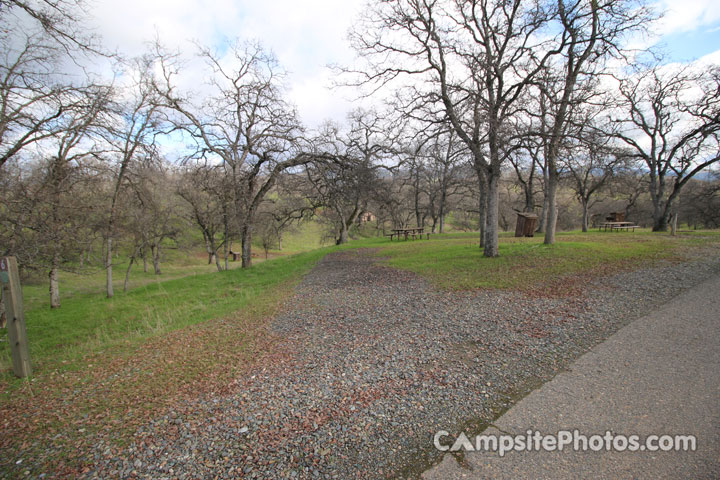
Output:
x=617 y=226
x=407 y=232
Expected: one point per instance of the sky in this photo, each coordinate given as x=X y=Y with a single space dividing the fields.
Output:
x=308 y=35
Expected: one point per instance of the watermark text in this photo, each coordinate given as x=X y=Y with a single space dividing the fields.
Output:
x=533 y=440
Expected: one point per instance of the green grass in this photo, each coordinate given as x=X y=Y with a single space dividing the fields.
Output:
x=175 y=264
x=189 y=291
x=455 y=261
x=306 y=236
x=106 y=366
x=91 y=279
x=88 y=322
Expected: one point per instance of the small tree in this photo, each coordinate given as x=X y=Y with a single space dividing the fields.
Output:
x=344 y=176
x=591 y=163
x=201 y=186
x=130 y=133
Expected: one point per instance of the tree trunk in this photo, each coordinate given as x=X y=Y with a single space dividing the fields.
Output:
x=551 y=213
x=54 y=282
x=127 y=273
x=657 y=191
x=441 y=214
x=155 y=249
x=111 y=226
x=673 y=224
x=144 y=257
x=279 y=237
x=418 y=220
x=108 y=268
x=482 y=208
x=584 y=204
x=529 y=197
x=343 y=234
x=543 y=213
x=246 y=246
x=661 y=218
x=226 y=255
x=491 y=227
x=217 y=263
x=208 y=249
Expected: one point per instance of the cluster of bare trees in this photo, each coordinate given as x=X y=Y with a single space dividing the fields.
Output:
x=517 y=75
x=81 y=158
x=492 y=107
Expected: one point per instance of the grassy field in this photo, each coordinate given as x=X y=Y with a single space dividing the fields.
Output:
x=455 y=261
x=175 y=264
x=189 y=291
x=89 y=322
x=107 y=365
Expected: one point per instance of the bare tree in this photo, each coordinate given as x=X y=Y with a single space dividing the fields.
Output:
x=243 y=125
x=443 y=179
x=62 y=21
x=590 y=164
x=154 y=213
x=36 y=38
x=201 y=188
x=701 y=202
x=475 y=59
x=344 y=175
x=279 y=215
x=389 y=202
x=340 y=186
x=415 y=181
x=45 y=206
x=130 y=132
x=671 y=121
x=525 y=164
x=32 y=95
x=63 y=169
x=591 y=33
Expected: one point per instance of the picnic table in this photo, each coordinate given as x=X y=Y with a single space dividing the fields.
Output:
x=416 y=232
x=617 y=226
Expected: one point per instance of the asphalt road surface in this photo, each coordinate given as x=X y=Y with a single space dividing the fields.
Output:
x=658 y=375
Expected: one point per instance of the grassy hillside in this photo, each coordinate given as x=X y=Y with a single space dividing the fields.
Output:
x=88 y=322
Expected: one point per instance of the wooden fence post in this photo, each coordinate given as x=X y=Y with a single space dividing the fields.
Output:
x=12 y=297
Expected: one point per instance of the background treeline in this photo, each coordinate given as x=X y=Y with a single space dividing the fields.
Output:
x=103 y=157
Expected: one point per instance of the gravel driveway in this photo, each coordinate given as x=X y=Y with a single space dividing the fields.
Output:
x=372 y=362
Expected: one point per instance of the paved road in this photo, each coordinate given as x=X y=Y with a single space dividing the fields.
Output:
x=658 y=375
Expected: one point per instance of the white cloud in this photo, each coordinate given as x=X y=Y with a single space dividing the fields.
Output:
x=687 y=15
x=305 y=36
x=709 y=59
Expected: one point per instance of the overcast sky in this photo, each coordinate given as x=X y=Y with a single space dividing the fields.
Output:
x=307 y=35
